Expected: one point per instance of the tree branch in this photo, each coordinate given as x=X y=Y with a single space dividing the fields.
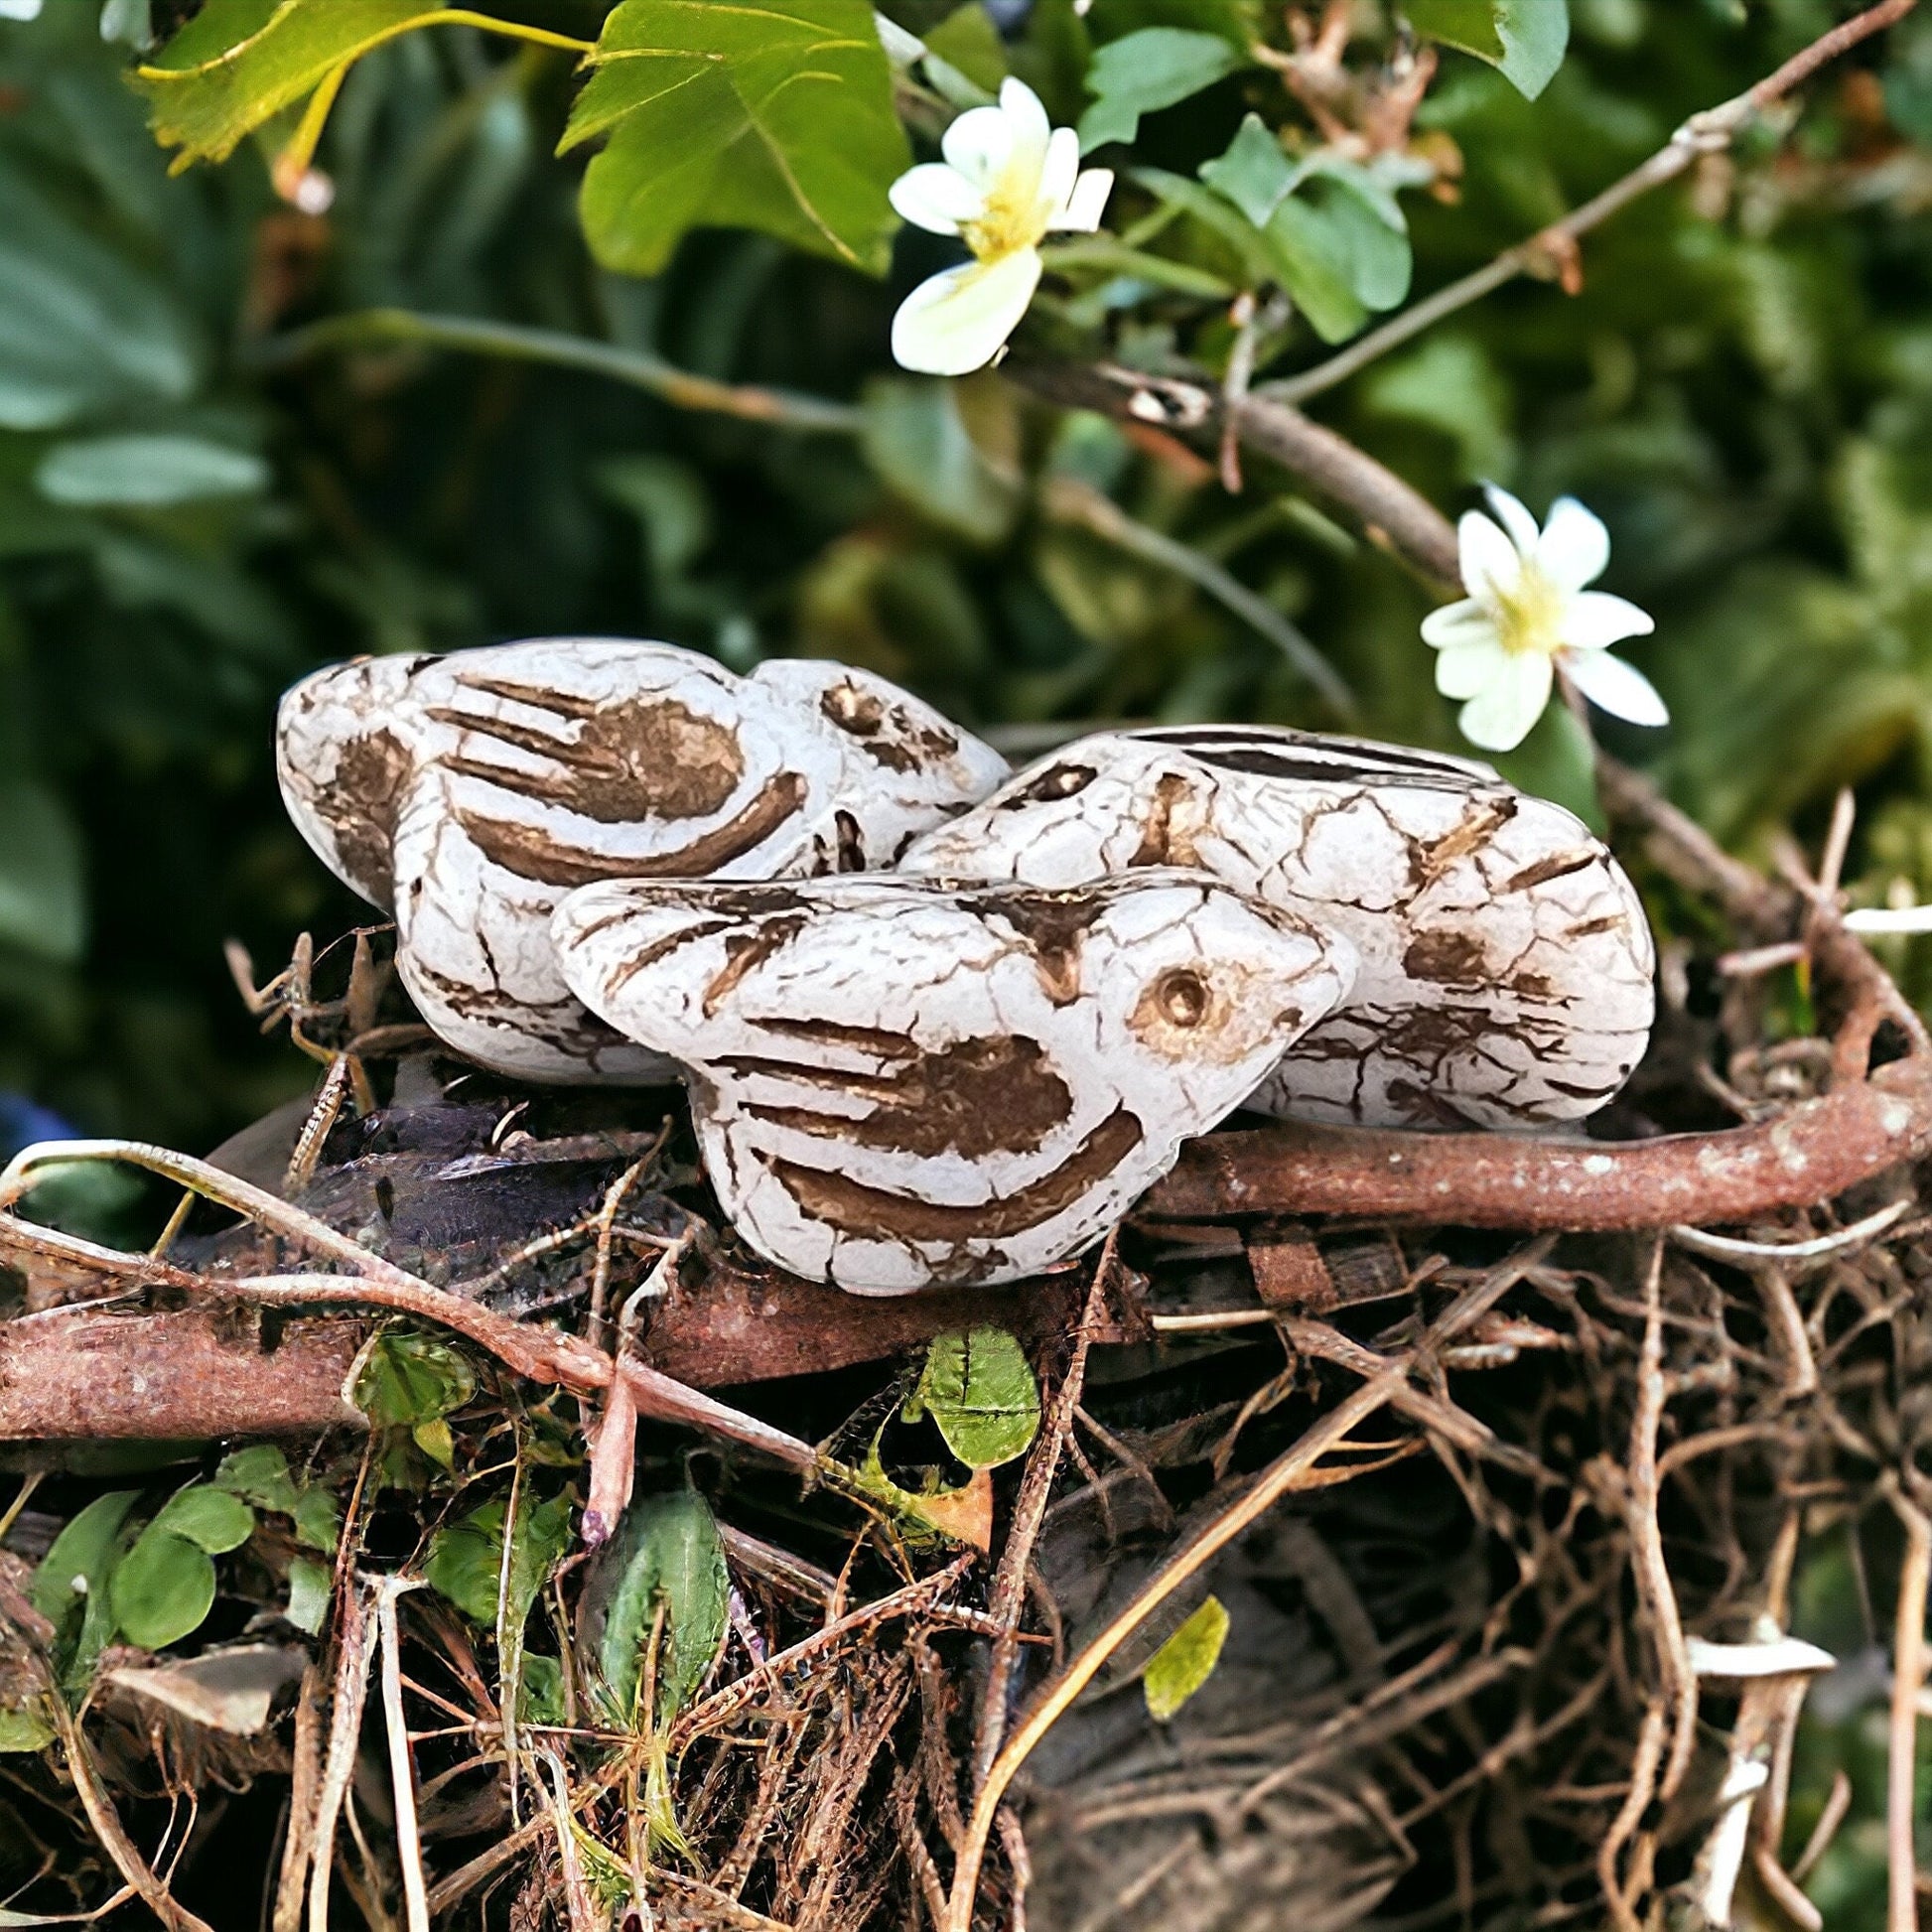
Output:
x=1709 y=132
x=637 y=368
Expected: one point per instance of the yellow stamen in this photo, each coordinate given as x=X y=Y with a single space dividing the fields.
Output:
x=1527 y=616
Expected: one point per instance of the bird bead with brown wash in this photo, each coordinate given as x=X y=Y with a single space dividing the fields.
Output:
x=899 y=1083
x=1506 y=964
x=469 y=793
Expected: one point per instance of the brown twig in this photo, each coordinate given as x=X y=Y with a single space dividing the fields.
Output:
x=1008 y=1597
x=1907 y=1674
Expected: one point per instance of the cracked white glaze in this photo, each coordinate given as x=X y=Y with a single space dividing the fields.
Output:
x=899 y=1083
x=1505 y=976
x=468 y=793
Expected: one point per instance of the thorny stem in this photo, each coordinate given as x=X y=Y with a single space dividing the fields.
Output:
x=1029 y=1512
x=640 y=368
x=352 y=1692
x=1709 y=132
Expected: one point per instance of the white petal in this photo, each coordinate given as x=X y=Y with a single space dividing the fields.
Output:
x=1593 y=619
x=1088 y=201
x=1059 y=168
x=1466 y=670
x=978 y=143
x=1027 y=118
x=1884 y=919
x=1463 y=622
x=955 y=323
x=1514 y=515
x=1616 y=687
x=1499 y=717
x=936 y=197
x=1491 y=565
x=1575 y=547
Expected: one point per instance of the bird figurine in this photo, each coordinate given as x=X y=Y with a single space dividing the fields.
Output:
x=467 y=793
x=1505 y=974
x=900 y=1081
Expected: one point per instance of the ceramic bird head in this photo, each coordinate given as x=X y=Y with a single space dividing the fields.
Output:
x=1506 y=963
x=468 y=793
x=899 y=1083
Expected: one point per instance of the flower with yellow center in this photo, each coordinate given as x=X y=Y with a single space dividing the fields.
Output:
x=1009 y=179
x=1527 y=612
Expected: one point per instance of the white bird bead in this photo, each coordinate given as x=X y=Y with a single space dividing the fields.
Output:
x=899 y=1083
x=1506 y=963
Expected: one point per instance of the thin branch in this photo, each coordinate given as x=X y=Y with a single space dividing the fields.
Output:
x=1710 y=132
x=1068 y=500
x=1028 y=1513
x=1907 y=1674
x=402 y=1769
x=639 y=368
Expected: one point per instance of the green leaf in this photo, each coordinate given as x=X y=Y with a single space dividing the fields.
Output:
x=915 y=438
x=76 y=1565
x=1525 y=38
x=980 y=1392
x=239 y=62
x=435 y=1442
x=408 y=1379
x=146 y=472
x=259 y=1475
x=162 y=1588
x=1186 y=1661
x=24 y=1731
x=1254 y=174
x=968 y=41
x=466 y=1558
x=777 y=118
x=210 y=1519
x=1340 y=254
x=309 y=1585
x=540 y=1692
x=1146 y=71
x=318 y=1520
x=80 y=330
x=43 y=894
x=666 y=1549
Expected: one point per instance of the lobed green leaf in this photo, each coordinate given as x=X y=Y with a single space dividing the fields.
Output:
x=1154 y=67
x=239 y=62
x=980 y=1392
x=777 y=118
x=1525 y=38
x=666 y=1551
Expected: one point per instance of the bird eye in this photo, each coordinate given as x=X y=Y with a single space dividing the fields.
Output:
x=1058 y=782
x=1182 y=998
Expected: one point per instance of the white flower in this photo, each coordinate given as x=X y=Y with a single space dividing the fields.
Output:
x=20 y=9
x=1009 y=179
x=1527 y=612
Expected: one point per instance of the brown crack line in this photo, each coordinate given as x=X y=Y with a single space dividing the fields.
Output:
x=973 y=1098
x=877 y=1214
x=645 y=759
x=532 y=854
